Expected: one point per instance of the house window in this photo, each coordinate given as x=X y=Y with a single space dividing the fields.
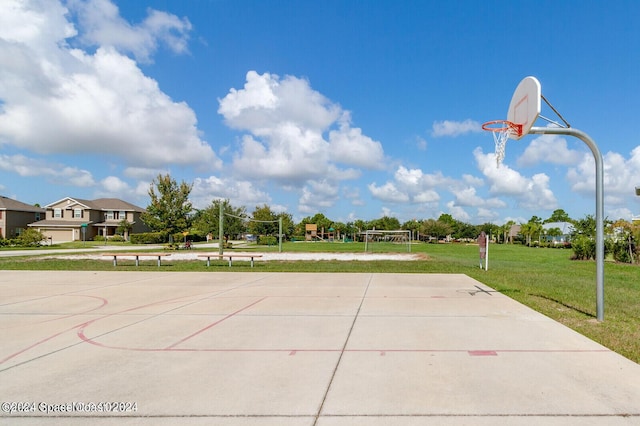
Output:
x=110 y=215
x=122 y=215
x=37 y=216
x=77 y=213
x=57 y=213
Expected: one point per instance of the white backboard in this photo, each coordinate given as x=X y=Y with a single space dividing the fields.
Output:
x=524 y=108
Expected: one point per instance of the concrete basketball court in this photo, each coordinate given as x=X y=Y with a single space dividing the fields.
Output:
x=293 y=349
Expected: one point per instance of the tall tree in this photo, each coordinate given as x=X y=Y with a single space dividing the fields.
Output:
x=435 y=228
x=466 y=230
x=492 y=230
x=288 y=226
x=448 y=219
x=360 y=225
x=585 y=226
x=558 y=215
x=322 y=221
x=536 y=219
x=527 y=229
x=553 y=233
x=170 y=207
x=207 y=220
x=264 y=221
x=531 y=229
x=413 y=226
x=506 y=229
x=385 y=223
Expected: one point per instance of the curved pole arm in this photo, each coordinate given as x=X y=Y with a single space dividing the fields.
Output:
x=599 y=205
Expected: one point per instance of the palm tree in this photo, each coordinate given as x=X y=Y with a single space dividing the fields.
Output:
x=506 y=228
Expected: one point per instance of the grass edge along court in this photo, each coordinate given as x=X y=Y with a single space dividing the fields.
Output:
x=543 y=279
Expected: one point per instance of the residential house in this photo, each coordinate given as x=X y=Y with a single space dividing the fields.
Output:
x=75 y=219
x=514 y=231
x=566 y=229
x=15 y=216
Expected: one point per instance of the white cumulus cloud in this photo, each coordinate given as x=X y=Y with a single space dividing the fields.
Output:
x=54 y=172
x=242 y=192
x=318 y=195
x=388 y=193
x=531 y=193
x=620 y=176
x=458 y=212
x=455 y=128
x=551 y=149
x=102 y=25
x=59 y=99
x=295 y=134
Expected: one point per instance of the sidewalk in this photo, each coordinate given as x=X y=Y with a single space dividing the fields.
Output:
x=308 y=349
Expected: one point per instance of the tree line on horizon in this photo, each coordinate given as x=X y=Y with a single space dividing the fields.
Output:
x=171 y=212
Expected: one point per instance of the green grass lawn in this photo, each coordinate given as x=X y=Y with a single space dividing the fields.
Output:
x=544 y=279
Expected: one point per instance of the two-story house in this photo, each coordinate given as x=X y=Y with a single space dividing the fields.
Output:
x=15 y=216
x=75 y=219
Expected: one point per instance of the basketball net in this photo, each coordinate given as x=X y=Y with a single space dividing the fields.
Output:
x=502 y=130
x=500 y=138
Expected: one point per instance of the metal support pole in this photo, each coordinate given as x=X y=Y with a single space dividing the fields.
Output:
x=220 y=230
x=486 y=255
x=279 y=235
x=599 y=205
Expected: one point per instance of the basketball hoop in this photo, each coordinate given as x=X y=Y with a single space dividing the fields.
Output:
x=502 y=130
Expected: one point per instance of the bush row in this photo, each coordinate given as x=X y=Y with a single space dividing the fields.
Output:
x=267 y=240
x=584 y=248
x=163 y=237
x=149 y=238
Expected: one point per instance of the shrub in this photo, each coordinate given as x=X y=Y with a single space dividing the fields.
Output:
x=267 y=240
x=584 y=248
x=148 y=238
x=193 y=236
x=30 y=237
x=9 y=242
x=621 y=252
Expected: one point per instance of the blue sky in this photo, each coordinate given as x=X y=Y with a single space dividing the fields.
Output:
x=347 y=108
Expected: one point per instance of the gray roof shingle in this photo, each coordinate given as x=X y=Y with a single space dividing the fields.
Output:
x=15 y=205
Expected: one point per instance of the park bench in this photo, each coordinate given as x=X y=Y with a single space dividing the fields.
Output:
x=137 y=256
x=230 y=257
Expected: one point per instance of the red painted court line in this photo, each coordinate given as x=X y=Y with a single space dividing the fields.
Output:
x=214 y=324
x=46 y=339
x=104 y=302
x=483 y=353
x=81 y=331
x=39 y=342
